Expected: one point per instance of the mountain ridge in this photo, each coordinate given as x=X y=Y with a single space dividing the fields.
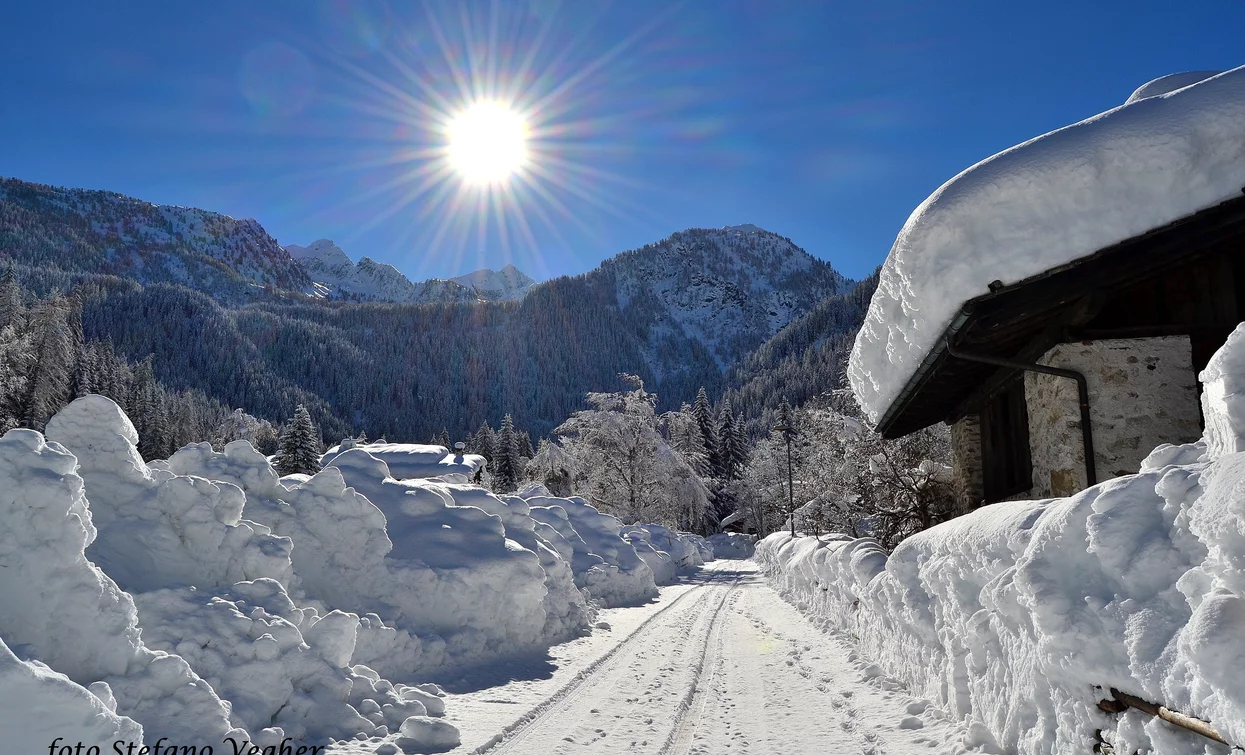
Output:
x=336 y=275
x=680 y=312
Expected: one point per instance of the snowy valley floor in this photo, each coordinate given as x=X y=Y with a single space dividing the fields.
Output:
x=718 y=664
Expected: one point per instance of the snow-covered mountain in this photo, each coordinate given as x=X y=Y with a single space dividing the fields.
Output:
x=80 y=230
x=508 y=284
x=680 y=313
x=727 y=290
x=336 y=276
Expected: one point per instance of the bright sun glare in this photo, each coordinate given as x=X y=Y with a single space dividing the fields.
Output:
x=488 y=142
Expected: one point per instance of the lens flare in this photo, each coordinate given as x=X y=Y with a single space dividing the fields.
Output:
x=487 y=142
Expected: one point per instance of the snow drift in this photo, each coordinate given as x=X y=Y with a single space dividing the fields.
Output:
x=63 y=611
x=261 y=607
x=442 y=575
x=604 y=564
x=731 y=545
x=37 y=705
x=1042 y=204
x=1023 y=615
x=665 y=551
x=210 y=586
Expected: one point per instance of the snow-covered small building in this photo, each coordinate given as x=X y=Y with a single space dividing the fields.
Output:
x=1062 y=296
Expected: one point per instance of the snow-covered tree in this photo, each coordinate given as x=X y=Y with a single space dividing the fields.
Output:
x=12 y=311
x=524 y=441
x=551 y=466
x=848 y=478
x=624 y=466
x=732 y=446
x=506 y=466
x=703 y=413
x=682 y=430
x=484 y=443
x=242 y=426
x=300 y=445
x=443 y=439
x=47 y=386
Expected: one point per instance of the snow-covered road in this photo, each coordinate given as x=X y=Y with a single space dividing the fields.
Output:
x=720 y=664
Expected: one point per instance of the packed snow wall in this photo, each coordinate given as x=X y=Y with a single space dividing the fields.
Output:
x=205 y=596
x=1024 y=615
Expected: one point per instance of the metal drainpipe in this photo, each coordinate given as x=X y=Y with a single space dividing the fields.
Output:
x=1082 y=389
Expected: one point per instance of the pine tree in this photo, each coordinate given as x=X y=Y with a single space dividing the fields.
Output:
x=443 y=439
x=48 y=384
x=506 y=467
x=731 y=449
x=300 y=445
x=12 y=312
x=524 y=441
x=484 y=442
x=786 y=418
x=704 y=419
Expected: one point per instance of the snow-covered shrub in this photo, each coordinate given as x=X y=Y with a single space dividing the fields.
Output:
x=62 y=610
x=1024 y=614
x=604 y=564
x=37 y=705
x=731 y=545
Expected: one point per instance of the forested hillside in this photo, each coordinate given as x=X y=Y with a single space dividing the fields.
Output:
x=803 y=360
x=85 y=231
x=220 y=308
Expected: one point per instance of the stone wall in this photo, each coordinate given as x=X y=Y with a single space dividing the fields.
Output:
x=966 y=461
x=1142 y=392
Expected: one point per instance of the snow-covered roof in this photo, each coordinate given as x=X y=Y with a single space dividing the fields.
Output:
x=408 y=461
x=1042 y=204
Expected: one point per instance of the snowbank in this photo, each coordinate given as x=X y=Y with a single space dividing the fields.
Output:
x=62 y=610
x=210 y=586
x=687 y=550
x=408 y=461
x=454 y=573
x=37 y=705
x=731 y=545
x=604 y=564
x=157 y=529
x=665 y=569
x=1024 y=614
x=279 y=665
x=1041 y=204
x=436 y=584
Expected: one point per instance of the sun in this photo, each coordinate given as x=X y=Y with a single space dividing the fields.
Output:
x=487 y=142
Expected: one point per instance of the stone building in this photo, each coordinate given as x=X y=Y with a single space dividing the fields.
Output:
x=1098 y=355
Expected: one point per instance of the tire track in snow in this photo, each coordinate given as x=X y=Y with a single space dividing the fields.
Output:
x=693 y=703
x=515 y=733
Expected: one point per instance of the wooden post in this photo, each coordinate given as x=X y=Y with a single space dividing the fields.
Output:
x=1196 y=725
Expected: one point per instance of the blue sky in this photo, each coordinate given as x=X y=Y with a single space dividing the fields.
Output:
x=824 y=122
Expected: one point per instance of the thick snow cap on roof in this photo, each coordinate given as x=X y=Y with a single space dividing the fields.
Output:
x=409 y=461
x=1042 y=204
